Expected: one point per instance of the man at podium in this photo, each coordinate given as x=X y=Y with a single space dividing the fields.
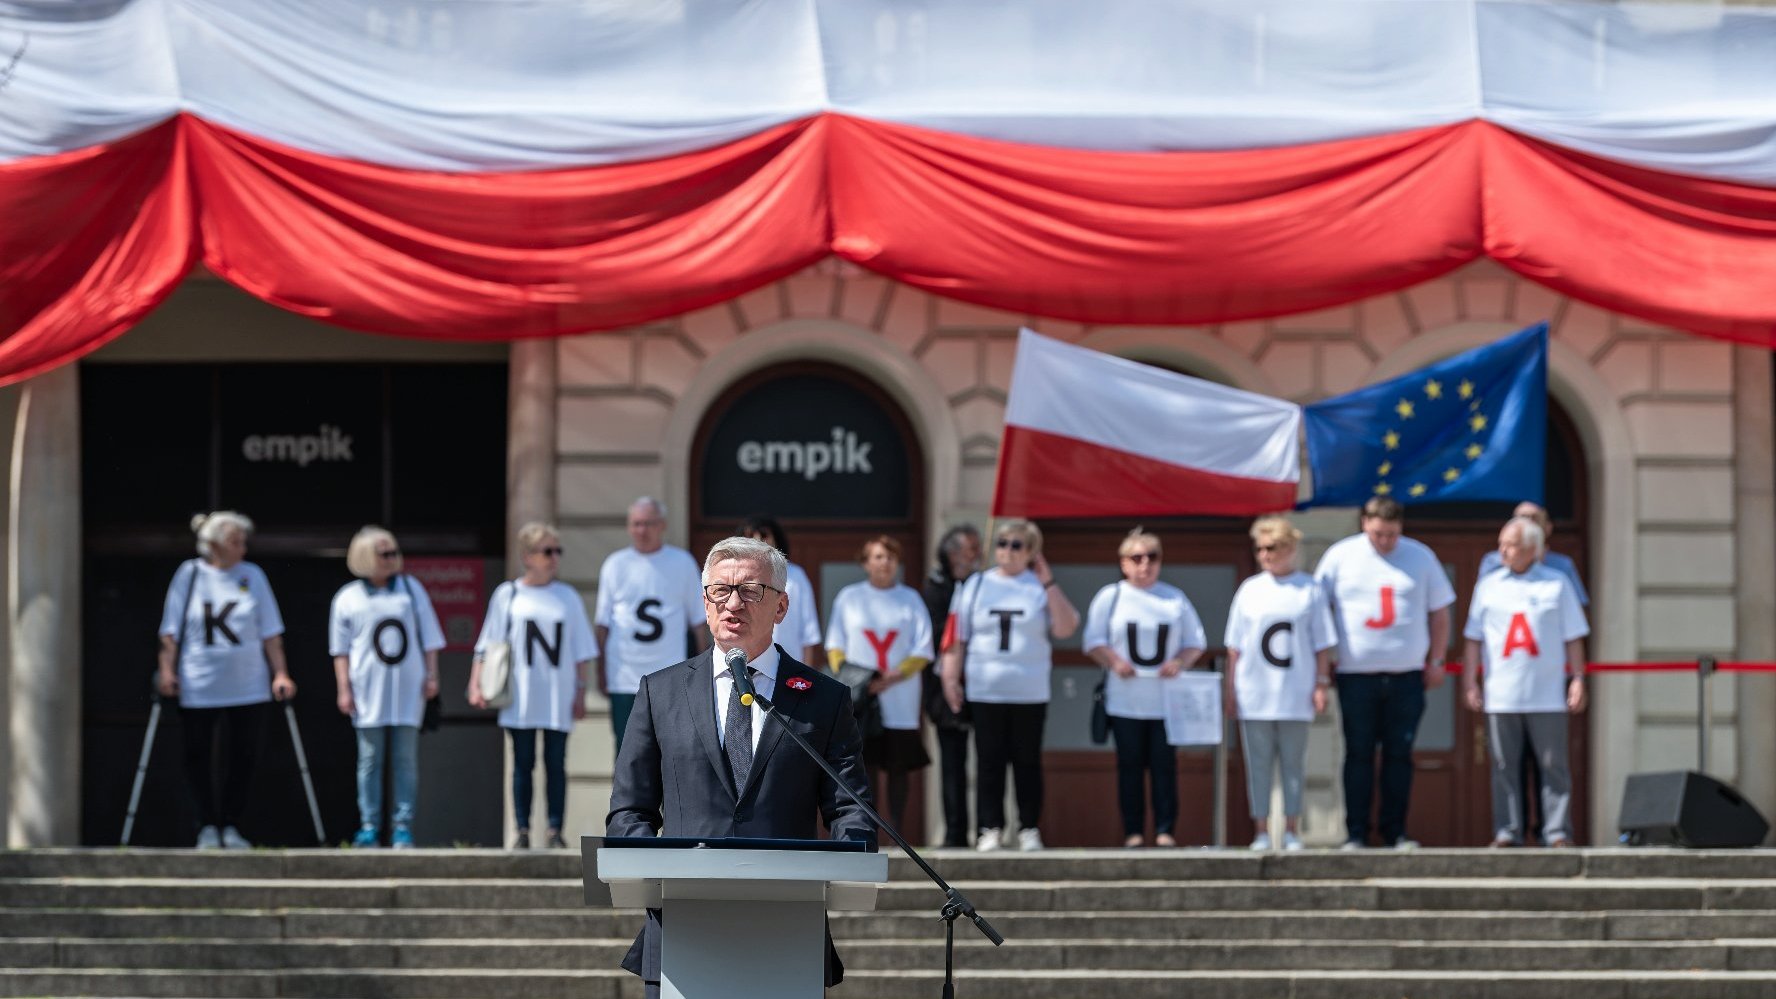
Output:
x=697 y=762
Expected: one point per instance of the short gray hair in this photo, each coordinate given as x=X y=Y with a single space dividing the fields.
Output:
x=210 y=528
x=749 y=550
x=1530 y=532
x=532 y=534
x=658 y=507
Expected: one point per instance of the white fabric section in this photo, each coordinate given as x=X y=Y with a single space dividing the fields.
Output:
x=1533 y=615
x=764 y=683
x=1277 y=625
x=648 y=602
x=464 y=85
x=800 y=626
x=1160 y=620
x=1382 y=603
x=227 y=618
x=550 y=637
x=373 y=629
x=1004 y=621
x=1120 y=404
x=881 y=629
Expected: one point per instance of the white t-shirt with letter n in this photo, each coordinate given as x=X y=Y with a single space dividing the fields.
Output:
x=648 y=602
x=1145 y=627
x=1382 y=603
x=228 y=616
x=800 y=626
x=880 y=629
x=1004 y=622
x=550 y=636
x=1525 y=621
x=374 y=629
x=1277 y=625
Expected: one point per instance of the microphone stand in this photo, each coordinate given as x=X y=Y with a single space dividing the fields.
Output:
x=954 y=903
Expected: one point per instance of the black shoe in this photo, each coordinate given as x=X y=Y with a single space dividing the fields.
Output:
x=555 y=840
x=522 y=841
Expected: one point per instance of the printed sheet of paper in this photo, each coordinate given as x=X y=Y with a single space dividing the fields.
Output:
x=1193 y=709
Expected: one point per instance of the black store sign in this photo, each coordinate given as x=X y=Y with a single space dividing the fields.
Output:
x=806 y=446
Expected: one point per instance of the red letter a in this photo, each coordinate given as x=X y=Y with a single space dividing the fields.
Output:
x=1518 y=636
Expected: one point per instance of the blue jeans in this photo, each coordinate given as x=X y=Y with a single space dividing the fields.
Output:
x=621 y=706
x=554 y=774
x=395 y=747
x=1380 y=710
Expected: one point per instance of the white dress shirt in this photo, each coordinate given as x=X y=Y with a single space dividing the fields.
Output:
x=764 y=682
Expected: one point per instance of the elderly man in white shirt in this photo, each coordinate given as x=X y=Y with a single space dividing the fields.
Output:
x=1527 y=619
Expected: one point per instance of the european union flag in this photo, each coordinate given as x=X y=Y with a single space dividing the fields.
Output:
x=1472 y=427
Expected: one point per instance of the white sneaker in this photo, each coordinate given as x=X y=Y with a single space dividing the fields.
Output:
x=1029 y=839
x=989 y=840
x=1261 y=841
x=233 y=840
x=1291 y=841
x=209 y=839
x=1405 y=844
x=1351 y=846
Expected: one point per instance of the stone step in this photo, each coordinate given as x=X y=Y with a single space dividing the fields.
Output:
x=1044 y=984
x=554 y=954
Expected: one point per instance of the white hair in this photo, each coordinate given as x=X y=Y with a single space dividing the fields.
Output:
x=658 y=507
x=749 y=550
x=211 y=527
x=1531 y=533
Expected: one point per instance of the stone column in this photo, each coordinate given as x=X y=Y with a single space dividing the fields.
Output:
x=530 y=491
x=1754 y=483
x=9 y=401
x=44 y=568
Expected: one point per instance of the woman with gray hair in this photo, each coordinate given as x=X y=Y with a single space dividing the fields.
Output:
x=384 y=638
x=222 y=656
x=544 y=621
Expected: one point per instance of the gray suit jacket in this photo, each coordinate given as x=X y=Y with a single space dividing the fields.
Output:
x=672 y=777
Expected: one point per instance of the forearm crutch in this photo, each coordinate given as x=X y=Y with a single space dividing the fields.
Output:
x=129 y=819
x=314 y=807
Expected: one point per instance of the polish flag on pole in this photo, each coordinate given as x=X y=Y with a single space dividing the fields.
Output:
x=1091 y=435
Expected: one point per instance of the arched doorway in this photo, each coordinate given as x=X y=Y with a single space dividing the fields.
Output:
x=833 y=458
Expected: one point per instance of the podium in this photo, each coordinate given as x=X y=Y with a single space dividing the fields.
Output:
x=740 y=923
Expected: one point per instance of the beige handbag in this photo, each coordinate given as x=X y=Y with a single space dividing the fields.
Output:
x=496 y=664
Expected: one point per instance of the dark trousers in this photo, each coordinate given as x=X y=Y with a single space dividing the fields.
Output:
x=621 y=706
x=1380 y=711
x=1141 y=749
x=952 y=762
x=241 y=731
x=1008 y=734
x=554 y=774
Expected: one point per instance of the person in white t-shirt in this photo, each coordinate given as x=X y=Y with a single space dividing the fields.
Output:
x=1527 y=620
x=799 y=631
x=545 y=622
x=1390 y=600
x=1144 y=633
x=1280 y=638
x=384 y=637
x=222 y=656
x=650 y=598
x=881 y=623
x=996 y=641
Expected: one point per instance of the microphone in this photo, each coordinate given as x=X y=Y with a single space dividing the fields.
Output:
x=736 y=660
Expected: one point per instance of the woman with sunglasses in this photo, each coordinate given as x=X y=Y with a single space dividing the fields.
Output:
x=384 y=638
x=1280 y=637
x=1144 y=632
x=545 y=621
x=997 y=640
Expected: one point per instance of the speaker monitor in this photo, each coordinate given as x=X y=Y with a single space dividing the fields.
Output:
x=1684 y=808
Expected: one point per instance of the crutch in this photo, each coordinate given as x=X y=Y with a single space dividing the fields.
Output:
x=129 y=820
x=314 y=807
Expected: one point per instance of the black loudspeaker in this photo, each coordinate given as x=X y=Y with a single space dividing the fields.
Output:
x=1684 y=808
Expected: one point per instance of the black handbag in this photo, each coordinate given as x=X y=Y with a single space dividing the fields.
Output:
x=864 y=705
x=1100 y=722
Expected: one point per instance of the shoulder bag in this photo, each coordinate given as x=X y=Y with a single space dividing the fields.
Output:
x=1100 y=716
x=496 y=662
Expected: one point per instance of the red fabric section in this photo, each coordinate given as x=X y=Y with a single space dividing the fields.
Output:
x=1687 y=252
x=1153 y=238
x=502 y=256
x=92 y=241
x=1048 y=475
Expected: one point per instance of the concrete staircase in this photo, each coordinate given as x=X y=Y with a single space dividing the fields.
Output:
x=1570 y=924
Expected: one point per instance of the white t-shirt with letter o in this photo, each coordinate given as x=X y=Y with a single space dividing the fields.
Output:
x=648 y=602
x=1525 y=621
x=800 y=626
x=1145 y=627
x=880 y=629
x=374 y=629
x=1277 y=625
x=228 y=615
x=1382 y=603
x=550 y=636
x=1004 y=622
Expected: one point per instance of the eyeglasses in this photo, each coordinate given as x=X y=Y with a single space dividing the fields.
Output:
x=553 y=551
x=392 y=553
x=1015 y=544
x=1273 y=547
x=1140 y=558
x=750 y=593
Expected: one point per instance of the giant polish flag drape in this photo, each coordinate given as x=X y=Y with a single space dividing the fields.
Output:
x=1091 y=435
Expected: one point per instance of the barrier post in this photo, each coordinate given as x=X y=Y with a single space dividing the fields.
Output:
x=1218 y=834
x=1704 y=710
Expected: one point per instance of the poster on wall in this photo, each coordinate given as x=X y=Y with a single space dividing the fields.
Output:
x=456 y=588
